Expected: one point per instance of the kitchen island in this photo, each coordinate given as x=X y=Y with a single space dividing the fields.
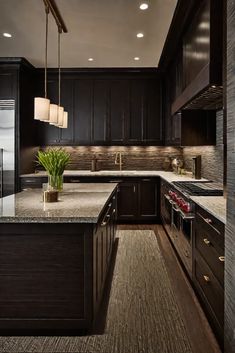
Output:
x=54 y=257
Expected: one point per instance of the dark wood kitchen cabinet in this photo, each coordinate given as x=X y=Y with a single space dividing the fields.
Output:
x=106 y=110
x=119 y=110
x=127 y=201
x=138 y=200
x=208 y=267
x=83 y=111
x=202 y=59
x=148 y=199
x=100 y=119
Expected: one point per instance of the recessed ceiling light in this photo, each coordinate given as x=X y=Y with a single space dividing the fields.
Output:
x=144 y=6
x=139 y=35
x=8 y=35
x=90 y=59
x=136 y=58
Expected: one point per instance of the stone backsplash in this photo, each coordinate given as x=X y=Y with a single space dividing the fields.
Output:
x=134 y=157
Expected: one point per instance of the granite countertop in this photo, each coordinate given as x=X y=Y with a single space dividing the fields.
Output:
x=216 y=205
x=168 y=176
x=78 y=203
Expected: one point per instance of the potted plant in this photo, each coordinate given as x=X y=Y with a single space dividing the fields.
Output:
x=54 y=161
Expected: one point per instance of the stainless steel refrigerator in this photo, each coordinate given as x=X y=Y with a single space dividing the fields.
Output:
x=7 y=147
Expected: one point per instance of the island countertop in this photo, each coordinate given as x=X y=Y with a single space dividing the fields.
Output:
x=78 y=203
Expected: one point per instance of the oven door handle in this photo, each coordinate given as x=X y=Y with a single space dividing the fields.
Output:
x=186 y=217
x=169 y=199
x=175 y=208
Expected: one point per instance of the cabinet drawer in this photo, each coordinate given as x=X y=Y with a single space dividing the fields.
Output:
x=208 y=249
x=212 y=225
x=210 y=288
x=33 y=182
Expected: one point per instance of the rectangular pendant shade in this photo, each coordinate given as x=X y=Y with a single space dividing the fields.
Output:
x=53 y=114
x=41 y=109
x=65 y=121
x=60 y=116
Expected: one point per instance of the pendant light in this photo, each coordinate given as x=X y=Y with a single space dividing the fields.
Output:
x=61 y=118
x=42 y=105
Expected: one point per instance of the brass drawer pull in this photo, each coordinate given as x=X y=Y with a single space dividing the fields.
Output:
x=208 y=220
x=206 y=278
x=206 y=241
x=105 y=222
x=222 y=258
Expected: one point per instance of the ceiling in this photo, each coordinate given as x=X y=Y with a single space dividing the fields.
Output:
x=104 y=30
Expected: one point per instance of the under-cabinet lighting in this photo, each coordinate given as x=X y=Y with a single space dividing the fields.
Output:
x=7 y=35
x=136 y=58
x=144 y=6
x=140 y=35
x=90 y=59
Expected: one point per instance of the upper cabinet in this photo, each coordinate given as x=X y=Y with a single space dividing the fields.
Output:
x=202 y=57
x=114 y=109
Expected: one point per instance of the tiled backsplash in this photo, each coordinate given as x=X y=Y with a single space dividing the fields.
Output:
x=134 y=157
x=212 y=156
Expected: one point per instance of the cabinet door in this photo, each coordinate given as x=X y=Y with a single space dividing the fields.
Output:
x=119 y=96
x=82 y=111
x=137 y=111
x=100 y=112
x=148 y=199
x=127 y=201
x=66 y=135
x=176 y=129
x=153 y=119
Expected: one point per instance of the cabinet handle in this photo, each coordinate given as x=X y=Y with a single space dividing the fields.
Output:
x=206 y=241
x=114 y=210
x=74 y=181
x=103 y=223
x=206 y=278
x=115 y=181
x=134 y=188
x=222 y=258
x=208 y=220
x=146 y=179
x=186 y=253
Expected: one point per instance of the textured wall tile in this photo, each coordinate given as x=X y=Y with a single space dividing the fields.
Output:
x=212 y=156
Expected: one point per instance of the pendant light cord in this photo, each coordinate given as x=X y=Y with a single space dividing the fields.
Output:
x=45 y=83
x=59 y=69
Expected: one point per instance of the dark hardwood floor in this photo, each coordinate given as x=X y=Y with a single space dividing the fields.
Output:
x=201 y=337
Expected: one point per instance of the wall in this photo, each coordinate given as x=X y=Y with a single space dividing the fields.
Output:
x=212 y=156
x=134 y=157
x=230 y=225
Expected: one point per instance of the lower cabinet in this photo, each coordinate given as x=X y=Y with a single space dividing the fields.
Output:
x=103 y=241
x=138 y=200
x=149 y=199
x=127 y=205
x=208 y=267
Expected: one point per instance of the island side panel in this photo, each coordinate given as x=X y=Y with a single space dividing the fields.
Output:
x=46 y=276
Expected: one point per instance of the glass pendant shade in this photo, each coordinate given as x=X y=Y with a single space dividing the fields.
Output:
x=41 y=109
x=53 y=114
x=65 y=121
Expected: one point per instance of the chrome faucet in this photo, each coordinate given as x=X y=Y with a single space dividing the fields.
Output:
x=118 y=159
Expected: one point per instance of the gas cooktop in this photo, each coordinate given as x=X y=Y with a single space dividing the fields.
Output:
x=199 y=188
